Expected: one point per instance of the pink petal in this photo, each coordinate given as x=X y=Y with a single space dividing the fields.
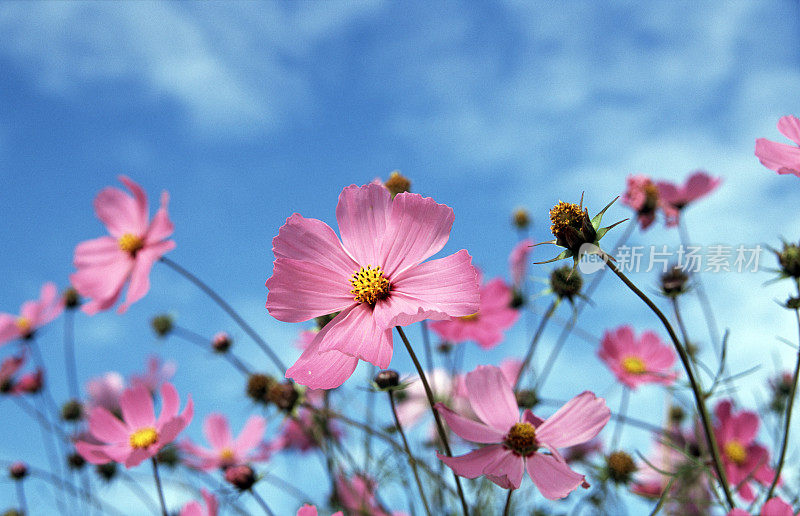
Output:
x=251 y=434
x=211 y=502
x=98 y=251
x=668 y=192
x=468 y=429
x=137 y=408
x=138 y=455
x=217 y=431
x=530 y=417
x=299 y=291
x=140 y=275
x=782 y=158
x=507 y=471
x=362 y=214
x=170 y=403
x=101 y=284
x=789 y=126
x=745 y=427
x=322 y=370
x=418 y=227
x=160 y=227
x=170 y=430
x=491 y=397
x=106 y=427
x=354 y=332
x=192 y=509
x=307 y=510
x=473 y=463
x=93 y=453
x=580 y=419
x=776 y=506
x=120 y=212
x=8 y=328
x=313 y=241
x=553 y=478
x=517 y=260
x=700 y=184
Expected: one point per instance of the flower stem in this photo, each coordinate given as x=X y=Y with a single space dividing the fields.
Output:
x=23 y=503
x=229 y=310
x=69 y=354
x=200 y=341
x=411 y=460
x=534 y=342
x=623 y=410
x=507 y=509
x=158 y=487
x=551 y=359
x=787 y=422
x=436 y=417
x=696 y=390
x=705 y=304
x=261 y=502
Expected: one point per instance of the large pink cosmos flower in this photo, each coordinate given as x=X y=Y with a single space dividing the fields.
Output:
x=139 y=435
x=674 y=198
x=743 y=458
x=642 y=195
x=32 y=315
x=487 y=324
x=310 y=510
x=105 y=264
x=780 y=157
x=225 y=450
x=636 y=362
x=773 y=507
x=374 y=277
x=516 y=444
x=518 y=261
x=195 y=509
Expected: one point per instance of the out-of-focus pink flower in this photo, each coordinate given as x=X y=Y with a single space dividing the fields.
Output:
x=515 y=443
x=139 y=435
x=583 y=451
x=743 y=458
x=195 y=509
x=357 y=495
x=105 y=391
x=641 y=194
x=225 y=450
x=773 y=507
x=156 y=374
x=486 y=325
x=105 y=264
x=374 y=277
x=675 y=198
x=780 y=157
x=412 y=402
x=29 y=383
x=32 y=315
x=304 y=432
x=637 y=361
x=310 y=510
x=518 y=261
x=305 y=339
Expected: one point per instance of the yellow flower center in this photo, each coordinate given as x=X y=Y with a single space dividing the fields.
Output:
x=144 y=437
x=565 y=214
x=522 y=439
x=131 y=243
x=473 y=317
x=633 y=365
x=226 y=455
x=736 y=452
x=369 y=285
x=24 y=325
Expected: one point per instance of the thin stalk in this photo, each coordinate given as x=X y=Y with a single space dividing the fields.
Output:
x=70 y=364
x=261 y=502
x=534 y=342
x=696 y=390
x=203 y=343
x=705 y=303
x=137 y=490
x=369 y=413
x=787 y=422
x=623 y=410
x=437 y=418
x=50 y=448
x=507 y=509
x=411 y=460
x=551 y=359
x=228 y=309
x=684 y=333
x=426 y=343
x=158 y=487
x=23 y=503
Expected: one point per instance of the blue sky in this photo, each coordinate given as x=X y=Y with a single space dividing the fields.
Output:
x=248 y=112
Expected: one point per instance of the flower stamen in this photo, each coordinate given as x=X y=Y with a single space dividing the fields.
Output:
x=24 y=325
x=144 y=437
x=521 y=439
x=633 y=365
x=369 y=285
x=736 y=452
x=471 y=317
x=131 y=243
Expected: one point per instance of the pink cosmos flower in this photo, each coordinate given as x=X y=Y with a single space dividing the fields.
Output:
x=139 y=435
x=105 y=264
x=195 y=509
x=357 y=496
x=642 y=195
x=27 y=383
x=674 y=198
x=413 y=403
x=105 y=391
x=636 y=362
x=518 y=260
x=305 y=339
x=743 y=458
x=32 y=315
x=310 y=510
x=225 y=450
x=518 y=443
x=780 y=157
x=773 y=507
x=487 y=324
x=156 y=374
x=374 y=277
x=303 y=431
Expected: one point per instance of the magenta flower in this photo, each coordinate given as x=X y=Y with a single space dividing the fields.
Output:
x=518 y=260
x=487 y=324
x=105 y=264
x=374 y=277
x=780 y=157
x=674 y=198
x=515 y=443
x=636 y=362
x=105 y=391
x=641 y=194
x=413 y=403
x=225 y=450
x=32 y=315
x=310 y=510
x=302 y=432
x=743 y=458
x=195 y=509
x=156 y=374
x=773 y=507
x=139 y=435
x=357 y=495
x=24 y=384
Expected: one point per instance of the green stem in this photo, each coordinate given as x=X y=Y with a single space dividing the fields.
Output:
x=261 y=502
x=23 y=503
x=436 y=417
x=708 y=430
x=203 y=343
x=411 y=460
x=158 y=487
x=705 y=304
x=507 y=509
x=534 y=341
x=551 y=359
x=623 y=410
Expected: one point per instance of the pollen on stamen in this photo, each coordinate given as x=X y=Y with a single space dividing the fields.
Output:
x=633 y=365
x=521 y=439
x=24 y=325
x=144 y=437
x=131 y=243
x=736 y=452
x=369 y=285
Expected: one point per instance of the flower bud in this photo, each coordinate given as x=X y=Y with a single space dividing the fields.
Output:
x=520 y=218
x=257 y=387
x=444 y=347
x=72 y=410
x=71 y=298
x=789 y=260
x=793 y=303
x=75 y=461
x=674 y=282
x=566 y=282
x=676 y=414
x=162 y=324
x=387 y=379
x=397 y=183
x=322 y=320
x=241 y=477
x=169 y=456
x=284 y=395
x=30 y=383
x=221 y=342
x=527 y=398
x=107 y=471
x=620 y=467
x=18 y=470
x=13 y=512
x=517 y=299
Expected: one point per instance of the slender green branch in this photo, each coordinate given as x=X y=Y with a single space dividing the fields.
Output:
x=623 y=410
x=534 y=342
x=261 y=502
x=507 y=509
x=411 y=460
x=203 y=343
x=705 y=303
x=158 y=487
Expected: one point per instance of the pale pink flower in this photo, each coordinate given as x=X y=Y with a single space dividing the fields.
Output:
x=412 y=402
x=374 y=277
x=773 y=507
x=518 y=260
x=225 y=450
x=516 y=444
x=637 y=361
x=156 y=374
x=310 y=510
x=105 y=391
x=357 y=495
x=305 y=339
x=105 y=264
x=195 y=509
x=780 y=157
x=641 y=194
x=303 y=432
x=32 y=315
x=744 y=459
x=674 y=198
x=139 y=435
x=487 y=324
x=28 y=383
